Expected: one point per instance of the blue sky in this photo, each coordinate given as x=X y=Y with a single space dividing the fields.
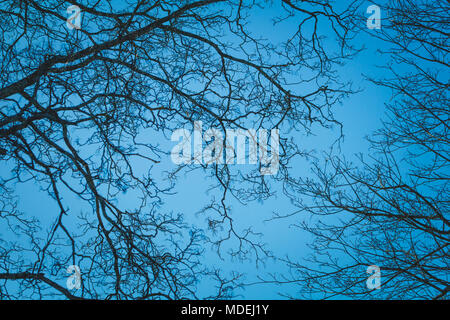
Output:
x=360 y=114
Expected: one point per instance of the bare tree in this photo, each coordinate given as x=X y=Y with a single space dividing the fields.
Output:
x=83 y=113
x=390 y=209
